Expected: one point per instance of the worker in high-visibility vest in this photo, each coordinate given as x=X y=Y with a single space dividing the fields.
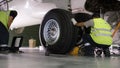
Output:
x=100 y=35
x=6 y=19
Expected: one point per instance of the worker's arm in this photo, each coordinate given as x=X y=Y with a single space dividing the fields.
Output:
x=80 y=24
x=10 y=20
x=13 y=14
x=76 y=23
x=87 y=24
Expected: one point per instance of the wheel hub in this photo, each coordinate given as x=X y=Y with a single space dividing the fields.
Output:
x=51 y=31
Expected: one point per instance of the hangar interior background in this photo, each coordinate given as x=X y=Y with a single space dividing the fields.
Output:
x=33 y=31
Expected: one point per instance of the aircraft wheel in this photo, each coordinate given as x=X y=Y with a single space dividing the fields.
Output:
x=57 y=32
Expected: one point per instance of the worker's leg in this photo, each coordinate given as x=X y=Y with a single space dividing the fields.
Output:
x=4 y=35
x=106 y=50
x=88 y=39
x=88 y=45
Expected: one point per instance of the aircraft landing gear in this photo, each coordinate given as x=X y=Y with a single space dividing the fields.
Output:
x=47 y=52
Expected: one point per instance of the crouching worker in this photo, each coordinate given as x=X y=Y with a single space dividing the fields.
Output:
x=100 y=35
x=6 y=18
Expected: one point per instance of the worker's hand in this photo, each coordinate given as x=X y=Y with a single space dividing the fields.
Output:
x=76 y=23
x=80 y=24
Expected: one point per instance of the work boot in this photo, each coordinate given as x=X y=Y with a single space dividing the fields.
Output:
x=3 y=47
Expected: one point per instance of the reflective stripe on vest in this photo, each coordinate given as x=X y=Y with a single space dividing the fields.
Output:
x=4 y=17
x=101 y=32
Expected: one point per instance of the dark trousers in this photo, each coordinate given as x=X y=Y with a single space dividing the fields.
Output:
x=4 y=34
x=87 y=39
x=90 y=49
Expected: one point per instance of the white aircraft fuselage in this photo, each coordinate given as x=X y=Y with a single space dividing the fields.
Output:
x=32 y=12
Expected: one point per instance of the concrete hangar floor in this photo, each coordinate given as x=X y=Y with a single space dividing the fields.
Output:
x=34 y=58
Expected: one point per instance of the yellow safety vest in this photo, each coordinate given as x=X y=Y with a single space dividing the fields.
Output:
x=4 y=15
x=101 y=32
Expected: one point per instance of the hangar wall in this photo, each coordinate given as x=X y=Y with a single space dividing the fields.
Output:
x=28 y=33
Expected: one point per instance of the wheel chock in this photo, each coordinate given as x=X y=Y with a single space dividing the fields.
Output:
x=75 y=51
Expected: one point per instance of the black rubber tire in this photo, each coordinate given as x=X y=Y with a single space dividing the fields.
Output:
x=67 y=35
x=82 y=17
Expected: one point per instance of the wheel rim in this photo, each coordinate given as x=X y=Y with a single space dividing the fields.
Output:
x=51 y=32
